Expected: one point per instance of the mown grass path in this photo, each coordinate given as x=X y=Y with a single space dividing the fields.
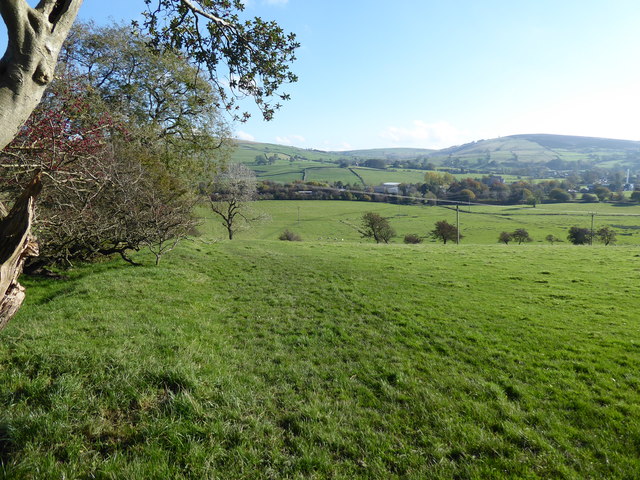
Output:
x=265 y=359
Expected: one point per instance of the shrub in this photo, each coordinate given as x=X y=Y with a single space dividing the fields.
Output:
x=289 y=236
x=412 y=238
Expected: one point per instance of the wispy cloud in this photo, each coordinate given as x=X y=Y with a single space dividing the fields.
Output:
x=293 y=140
x=240 y=135
x=422 y=134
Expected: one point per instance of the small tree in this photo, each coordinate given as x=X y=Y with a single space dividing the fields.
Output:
x=579 y=236
x=229 y=197
x=552 y=239
x=445 y=231
x=412 y=238
x=290 y=236
x=377 y=227
x=521 y=235
x=505 y=237
x=606 y=235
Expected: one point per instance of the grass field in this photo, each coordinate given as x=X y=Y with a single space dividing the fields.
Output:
x=322 y=359
x=332 y=221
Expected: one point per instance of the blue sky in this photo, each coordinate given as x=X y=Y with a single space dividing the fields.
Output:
x=431 y=74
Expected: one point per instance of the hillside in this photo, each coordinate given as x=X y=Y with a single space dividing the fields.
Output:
x=518 y=150
x=536 y=152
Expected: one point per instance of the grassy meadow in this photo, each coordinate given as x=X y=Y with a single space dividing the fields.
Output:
x=333 y=357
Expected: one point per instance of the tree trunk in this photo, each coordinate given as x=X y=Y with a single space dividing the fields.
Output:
x=16 y=244
x=35 y=38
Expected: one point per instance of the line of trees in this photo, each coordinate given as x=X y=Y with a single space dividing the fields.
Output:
x=377 y=227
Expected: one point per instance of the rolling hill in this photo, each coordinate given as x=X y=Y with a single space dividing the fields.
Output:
x=536 y=153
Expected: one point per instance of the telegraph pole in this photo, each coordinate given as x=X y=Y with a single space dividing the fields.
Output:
x=458 y=224
x=591 y=236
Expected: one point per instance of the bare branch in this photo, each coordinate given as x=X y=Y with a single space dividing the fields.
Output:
x=210 y=16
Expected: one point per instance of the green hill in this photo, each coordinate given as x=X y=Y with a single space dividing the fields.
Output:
x=513 y=154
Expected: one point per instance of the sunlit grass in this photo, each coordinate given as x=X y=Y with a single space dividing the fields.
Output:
x=318 y=359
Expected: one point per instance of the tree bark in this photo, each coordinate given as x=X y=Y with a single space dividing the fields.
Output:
x=35 y=38
x=16 y=244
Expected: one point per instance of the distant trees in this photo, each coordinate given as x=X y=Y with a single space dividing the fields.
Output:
x=445 y=232
x=375 y=163
x=520 y=235
x=377 y=227
x=505 y=237
x=552 y=239
x=559 y=195
x=579 y=236
x=606 y=235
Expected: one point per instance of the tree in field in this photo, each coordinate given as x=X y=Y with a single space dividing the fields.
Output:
x=505 y=237
x=552 y=239
x=444 y=231
x=377 y=227
x=606 y=235
x=230 y=195
x=635 y=196
x=240 y=57
x=579 y=236
x=521 y=235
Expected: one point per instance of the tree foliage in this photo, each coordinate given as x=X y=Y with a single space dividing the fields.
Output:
x=521 y=235
x=505 y=237
x=444 y=231
x=606 y=235
x=579 y=236
x=252 y=54
x=377 y=227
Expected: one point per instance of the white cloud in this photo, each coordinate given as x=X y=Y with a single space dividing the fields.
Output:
x=293 y=140
x=424 y=135
x=608 y=112
x=337 y=146
x=240 y=135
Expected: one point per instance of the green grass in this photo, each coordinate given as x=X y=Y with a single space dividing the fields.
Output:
x=331 y=220
x=265 y=359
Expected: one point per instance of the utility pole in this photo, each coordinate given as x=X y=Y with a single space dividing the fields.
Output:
x=591 y=236
x=458 y=224
x=298 y=213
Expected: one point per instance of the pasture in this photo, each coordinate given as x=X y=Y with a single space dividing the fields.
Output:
x=333 y=220
x=332 y=357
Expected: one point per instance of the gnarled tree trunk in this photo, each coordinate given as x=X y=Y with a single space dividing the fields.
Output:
x=35 y=38
x=16 y=244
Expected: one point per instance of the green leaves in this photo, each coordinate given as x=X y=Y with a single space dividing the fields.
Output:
x=249 y=58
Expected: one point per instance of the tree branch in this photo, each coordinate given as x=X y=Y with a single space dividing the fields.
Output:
x=199 y=11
